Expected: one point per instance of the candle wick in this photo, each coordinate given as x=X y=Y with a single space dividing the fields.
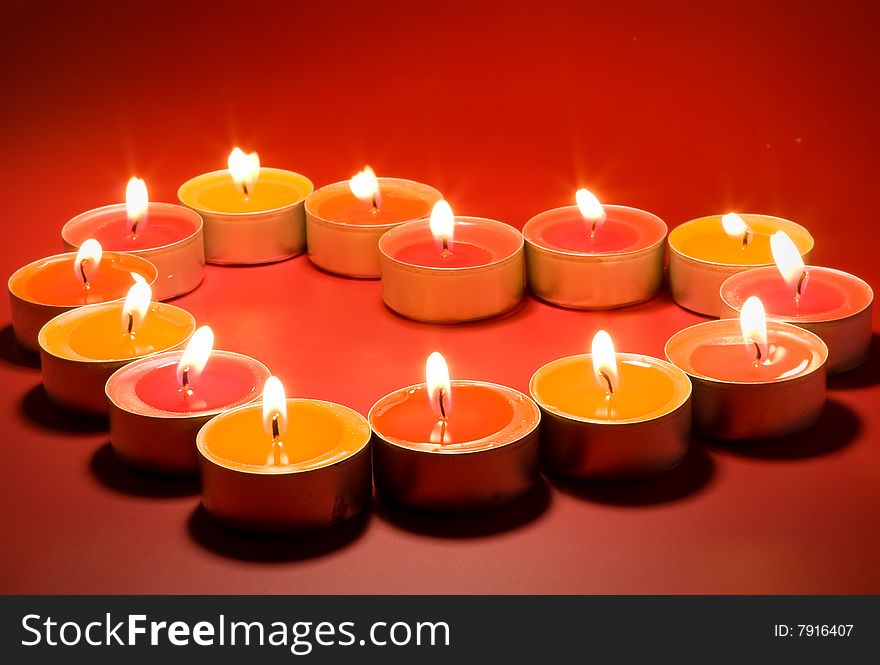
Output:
x=800 y=285
x=445 y=246
x=747 y=237
x=82 y=271
x=443 y=426
x=130 y=324
x=758 y=353
x=244 y=188
x=374 y=205
x=593 y=229
x=186 y=389
x=440 y=394
x=134 y=228
x=276 y=433
x=609 y=392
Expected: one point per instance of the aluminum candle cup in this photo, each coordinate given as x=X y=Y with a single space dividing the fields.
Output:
x=80 y=349
x=702 y=256
x=642 y=430
x=36 y=294
x=171 y=240
x=486 y=278
x=491 y=456
x=160 y=434
x=835 y=305
x=343 y=232
x=622 y=267
x=731 y=400
x=265 y=227
x=326 y=480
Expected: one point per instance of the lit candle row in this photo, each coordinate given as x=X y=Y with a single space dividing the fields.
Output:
x=175 y=405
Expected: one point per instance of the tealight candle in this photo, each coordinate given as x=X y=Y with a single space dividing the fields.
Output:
x=450 y=269
x=169 y=236
x=594 y=256
x=833 y=304
x=285 y=465
x=252 y=214
x=159 y=403
x=45 y=288
x=345 y=220
x=704 y=252
x=753 y=379
x=80 y=349
x=611 y=415
x=454 y=445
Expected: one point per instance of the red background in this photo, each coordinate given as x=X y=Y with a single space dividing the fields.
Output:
x=683 y=109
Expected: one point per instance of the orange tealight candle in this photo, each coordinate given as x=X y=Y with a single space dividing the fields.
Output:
x=252 y=214
x=454 y=445
x=287 y=464
x=752 y=378
x=704 y=252
x=612 y=415
x=345 y=220
x=44 y=289
x=80 y=349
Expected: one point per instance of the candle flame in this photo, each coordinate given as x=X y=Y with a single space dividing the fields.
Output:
x=442 y=223
x=788 y=260
x=274 y=408
x=439 y=388
x=753 y=322
x=87 y=259
x=591 y=209
x=244 y=169
x=365 y=186
x=136 y=203
x=736 y=227
x=605 y=362
x=195 y=357
x=136 y=304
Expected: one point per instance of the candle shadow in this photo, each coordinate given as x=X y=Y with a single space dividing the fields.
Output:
x=837 y=427
x=272 y=548
x=692 y=475
x=488 y=522
x=12 y=353
x=36 y=408
x=866 y=374
x=106 y=467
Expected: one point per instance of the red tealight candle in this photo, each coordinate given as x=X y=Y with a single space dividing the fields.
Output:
x=158 y=404
x=594 y=256
x=448 y=269
x=454 y=445
x=752 y=379
x=830 y=303
x=168 y=235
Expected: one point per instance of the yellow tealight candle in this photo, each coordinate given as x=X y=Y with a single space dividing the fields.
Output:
x=612 y=415
x=285 y=464
x=706 y=251
x=81 y=348
x=252 y=214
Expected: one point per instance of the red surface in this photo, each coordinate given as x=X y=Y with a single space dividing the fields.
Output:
x=682 y=109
